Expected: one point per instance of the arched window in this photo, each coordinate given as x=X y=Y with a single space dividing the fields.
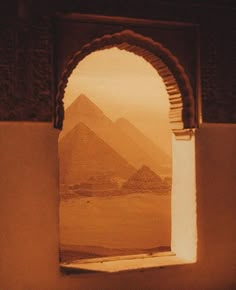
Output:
x=105 y=141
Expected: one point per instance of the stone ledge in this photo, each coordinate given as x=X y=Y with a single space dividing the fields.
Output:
x=123 y=263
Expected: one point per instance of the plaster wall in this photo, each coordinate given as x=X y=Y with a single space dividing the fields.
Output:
x=29 y=216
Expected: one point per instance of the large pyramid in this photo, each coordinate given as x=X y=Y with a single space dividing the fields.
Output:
x=85 y=111
x=143 y=180
x=83 y=155
x=81 y=110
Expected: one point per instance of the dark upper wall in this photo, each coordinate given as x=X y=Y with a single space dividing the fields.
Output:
x=28 y=54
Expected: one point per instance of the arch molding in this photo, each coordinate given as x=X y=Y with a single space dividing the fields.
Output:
x=178 y=86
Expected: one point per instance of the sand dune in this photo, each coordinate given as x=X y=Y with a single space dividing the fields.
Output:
x=136 y=221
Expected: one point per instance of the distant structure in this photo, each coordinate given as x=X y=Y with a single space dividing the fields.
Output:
x=102 y=181
x=104 y=145
x=146 y=180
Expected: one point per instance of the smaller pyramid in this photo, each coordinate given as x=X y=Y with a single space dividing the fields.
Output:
x=143 y=180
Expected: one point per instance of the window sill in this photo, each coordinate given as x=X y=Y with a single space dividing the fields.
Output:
x=123 y=263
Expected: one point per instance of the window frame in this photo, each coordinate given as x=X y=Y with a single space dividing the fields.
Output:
x=184 y=119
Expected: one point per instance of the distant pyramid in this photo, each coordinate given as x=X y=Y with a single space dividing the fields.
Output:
x=82 y=109
x=143 y=180
x=160 y=160
x=102 y=181
x=83 y=155
x=85 y=111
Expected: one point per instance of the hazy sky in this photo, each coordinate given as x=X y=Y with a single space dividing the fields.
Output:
x=123 y=84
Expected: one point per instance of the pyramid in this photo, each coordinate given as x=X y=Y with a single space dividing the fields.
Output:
x=81 y=110
x=83 y=155
x=143 y=180
x=85 y=111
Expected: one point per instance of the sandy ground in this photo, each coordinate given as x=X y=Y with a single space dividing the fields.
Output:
x=133 y=221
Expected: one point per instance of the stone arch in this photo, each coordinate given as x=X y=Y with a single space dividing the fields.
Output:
x=182 y=108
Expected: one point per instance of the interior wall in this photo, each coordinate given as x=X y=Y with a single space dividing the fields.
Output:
x=183 y=198
x=29 y=216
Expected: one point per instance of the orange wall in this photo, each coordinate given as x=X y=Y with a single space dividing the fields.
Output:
x=29 y=217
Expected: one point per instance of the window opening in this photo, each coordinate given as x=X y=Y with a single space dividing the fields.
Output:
x=115 y=159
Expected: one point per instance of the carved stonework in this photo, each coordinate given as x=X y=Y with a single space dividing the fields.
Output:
x=208 y=70
x=26 y=61
x=42 y=70
x=26 y=72
x=233 y=77
x=7 y=71
x=182 y=109
x=218 y=70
